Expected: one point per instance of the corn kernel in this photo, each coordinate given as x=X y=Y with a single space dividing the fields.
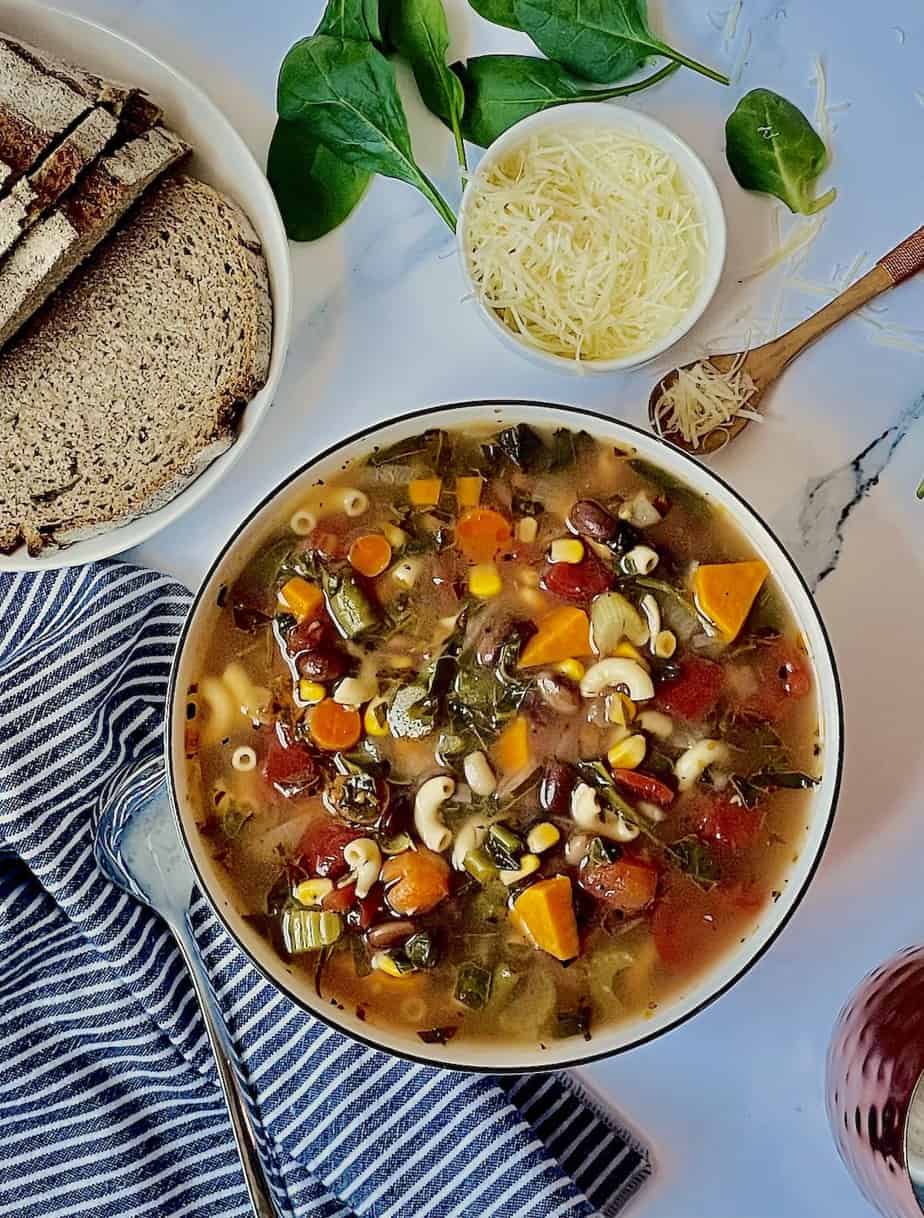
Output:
x=542 y=837
x=529 y=863
x=425 y=492
x=313 y=892
x=628 y=754
x=396 y=538
x=484 y=581
x=527 y=529
x=386 y=964
x=311 y=692
x=628 y=652
x=375 y=720
x=566 y=549
x=572 y=669
x=468 y=491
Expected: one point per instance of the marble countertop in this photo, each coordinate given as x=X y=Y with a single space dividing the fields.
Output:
x=732 y=1102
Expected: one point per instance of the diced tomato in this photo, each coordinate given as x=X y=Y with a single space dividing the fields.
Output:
x=578 y=582
x=322 y=847
x=783 y=677
x=340 y=900
x=629 y=885
x=328 y=536
x=694 y=693
x=718 y=819
x=290 y=768
x=645 y=786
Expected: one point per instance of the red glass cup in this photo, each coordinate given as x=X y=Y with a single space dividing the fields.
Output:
x=875 y=1093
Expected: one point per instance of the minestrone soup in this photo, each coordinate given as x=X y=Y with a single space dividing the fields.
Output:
x=508 y=735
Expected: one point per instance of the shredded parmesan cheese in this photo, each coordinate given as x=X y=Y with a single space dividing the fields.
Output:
x=798 y=239
x=703 y=399
x=586 y=243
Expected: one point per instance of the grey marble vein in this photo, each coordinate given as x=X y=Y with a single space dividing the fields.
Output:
x=816 y=537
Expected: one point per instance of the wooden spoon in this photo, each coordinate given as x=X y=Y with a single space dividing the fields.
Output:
x=765 y=363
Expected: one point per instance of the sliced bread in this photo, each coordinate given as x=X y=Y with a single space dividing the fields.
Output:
x=131 y=105
x=131 y=379
x=44 y=257
x=36 y=110
x=37 y=192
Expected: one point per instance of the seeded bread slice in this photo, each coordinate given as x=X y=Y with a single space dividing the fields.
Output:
x=37 y=192
x=131 y=380
x=51 y=249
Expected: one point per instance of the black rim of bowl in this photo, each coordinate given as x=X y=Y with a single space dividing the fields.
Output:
x=446 y=1063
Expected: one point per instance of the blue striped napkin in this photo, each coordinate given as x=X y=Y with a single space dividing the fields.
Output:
x=109 y=1105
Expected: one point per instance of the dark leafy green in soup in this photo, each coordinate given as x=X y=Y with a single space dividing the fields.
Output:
x=504 y=735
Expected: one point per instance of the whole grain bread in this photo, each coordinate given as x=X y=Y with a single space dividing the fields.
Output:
x=37 y=192
x=45 y=255
x=131 y=379
x=36 y=110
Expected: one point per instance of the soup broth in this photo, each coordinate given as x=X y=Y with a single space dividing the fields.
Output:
x=503 y=735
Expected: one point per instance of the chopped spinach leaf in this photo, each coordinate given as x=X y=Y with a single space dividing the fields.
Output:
x=433 y=448
x=692 y=856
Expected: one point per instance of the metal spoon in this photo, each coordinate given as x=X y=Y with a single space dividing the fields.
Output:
x=765 y=363
x=142 y=853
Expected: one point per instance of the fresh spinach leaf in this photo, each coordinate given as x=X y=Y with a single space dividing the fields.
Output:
x=772 y=147
x=501 y=12
x=345 y=91
x=357 y=19
x=502 y=89
x=418 y=30
x=600 y=40
x=316 y=189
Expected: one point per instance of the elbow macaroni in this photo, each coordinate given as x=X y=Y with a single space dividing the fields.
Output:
x=589 y=816
x=428 y=819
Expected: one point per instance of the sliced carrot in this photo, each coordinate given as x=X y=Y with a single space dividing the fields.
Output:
x=302 y=597
x=563 y=634
x=425 y=492
x=544 y=912
x=370 y=554
x=511 y=750
x=726 y=591
x=415 y=881
x=468 y=491
x=482 y=533
x=334 y=726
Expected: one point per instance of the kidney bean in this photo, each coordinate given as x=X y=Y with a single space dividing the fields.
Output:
x=390 y=934
x=558 y=781
x=323 y=665
x=577 y=582
x=591 y=519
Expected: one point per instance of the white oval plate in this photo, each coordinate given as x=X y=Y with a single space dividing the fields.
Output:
x=220 y=158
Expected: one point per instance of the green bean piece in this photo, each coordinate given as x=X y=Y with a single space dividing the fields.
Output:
x=480 y=866
x=504 y=847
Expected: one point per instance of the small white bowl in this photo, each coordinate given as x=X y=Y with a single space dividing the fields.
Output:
x=607 y=116
x=221 y=158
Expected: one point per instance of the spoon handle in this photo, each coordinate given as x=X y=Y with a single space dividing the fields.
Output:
x=905 y=260
x=241 y=1126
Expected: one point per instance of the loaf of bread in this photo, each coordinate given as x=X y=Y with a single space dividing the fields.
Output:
x=130 y=380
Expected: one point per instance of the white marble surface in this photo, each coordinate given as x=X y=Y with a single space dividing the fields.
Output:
x=732 y=1102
